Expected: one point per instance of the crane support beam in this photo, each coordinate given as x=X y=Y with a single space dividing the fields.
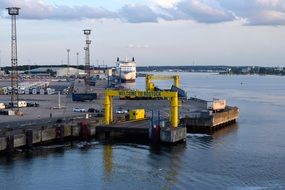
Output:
x=173 y=96
x=150 y=85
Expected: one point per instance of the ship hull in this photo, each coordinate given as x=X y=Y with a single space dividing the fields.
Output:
x=128 y=81
x=126 y=70
x=128 y=77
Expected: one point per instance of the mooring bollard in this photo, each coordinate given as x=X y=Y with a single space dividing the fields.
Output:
x=154 y=131
x=155 y=134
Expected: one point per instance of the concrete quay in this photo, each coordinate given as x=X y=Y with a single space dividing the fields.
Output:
x=39 y=134
x=43 y=124
x=211 y=122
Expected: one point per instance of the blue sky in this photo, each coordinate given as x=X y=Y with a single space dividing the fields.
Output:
x=156 y=32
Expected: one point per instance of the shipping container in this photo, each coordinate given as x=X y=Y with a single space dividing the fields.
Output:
x=218 y=104
x=2 y=106
x=137 y=114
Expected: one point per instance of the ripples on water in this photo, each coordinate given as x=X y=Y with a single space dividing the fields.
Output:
x=245 y=156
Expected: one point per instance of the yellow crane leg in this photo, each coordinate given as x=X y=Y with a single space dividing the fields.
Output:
x=147 y=82
x=170 y=112
x=111 y=108
x=151 y=87
x=107 y=110
x=176 y=80
x=174 y=111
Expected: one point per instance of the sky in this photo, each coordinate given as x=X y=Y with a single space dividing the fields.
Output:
x=155 y=32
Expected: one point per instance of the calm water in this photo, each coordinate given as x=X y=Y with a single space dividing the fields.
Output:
x=249 y=155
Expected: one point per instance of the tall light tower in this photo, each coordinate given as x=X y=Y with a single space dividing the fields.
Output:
x=68 y=68
x=77 y=63
x=77 y=59
x=0 y=62
x=14 y=11
x=87 y=33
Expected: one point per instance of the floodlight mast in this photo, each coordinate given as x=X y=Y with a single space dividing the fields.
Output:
x=14 y=11
x=68 y=64
x=87 y=33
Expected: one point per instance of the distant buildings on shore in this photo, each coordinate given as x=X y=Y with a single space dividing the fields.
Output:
x=62 y=71
x=217 y=69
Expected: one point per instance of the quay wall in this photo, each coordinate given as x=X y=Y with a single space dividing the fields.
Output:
x=28 y=136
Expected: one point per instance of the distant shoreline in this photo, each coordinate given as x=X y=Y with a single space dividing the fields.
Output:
x=232 y=70
x=225 y=70
x=142 y=74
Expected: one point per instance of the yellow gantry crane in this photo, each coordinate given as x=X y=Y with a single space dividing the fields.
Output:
x=173 y=96
x=150 y=85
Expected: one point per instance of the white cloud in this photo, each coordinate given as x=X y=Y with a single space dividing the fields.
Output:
x=166 y=3
x=202 y=12
x=258 y=12
x=268 y=17
x=267 y=2
x=138 y=46
x=137 y=13
x=39 y=9
x=255 y=12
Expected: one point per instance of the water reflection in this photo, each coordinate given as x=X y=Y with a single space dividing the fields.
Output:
x=168 y=160
x=203 y=142
x=229 y=130
x=39 y=152
x=108 y=161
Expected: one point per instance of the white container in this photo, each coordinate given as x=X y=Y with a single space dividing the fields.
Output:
x=34 y=91
x=5 y=90
x=219 y=104
x=42 y=91
x=2 y=106
x=27 y=91
x=22 y=104
x=50 y=91
x=11 y=112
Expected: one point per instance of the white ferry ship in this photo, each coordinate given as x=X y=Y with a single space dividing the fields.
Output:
x=126 y=70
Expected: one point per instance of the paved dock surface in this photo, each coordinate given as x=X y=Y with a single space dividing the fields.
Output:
x=46 y=103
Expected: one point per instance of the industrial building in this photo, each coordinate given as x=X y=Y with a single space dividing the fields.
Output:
x=58 y=71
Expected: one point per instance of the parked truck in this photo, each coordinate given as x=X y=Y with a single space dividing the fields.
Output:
x=21 y=104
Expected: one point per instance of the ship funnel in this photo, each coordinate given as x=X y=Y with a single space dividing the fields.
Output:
x=133 y=59
x=118 y=59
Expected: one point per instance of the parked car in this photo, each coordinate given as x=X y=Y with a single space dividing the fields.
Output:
x=121 y=111
x=79 y=110
x=93 y=110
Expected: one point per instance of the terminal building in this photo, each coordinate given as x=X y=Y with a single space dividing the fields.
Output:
x=56 y=71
